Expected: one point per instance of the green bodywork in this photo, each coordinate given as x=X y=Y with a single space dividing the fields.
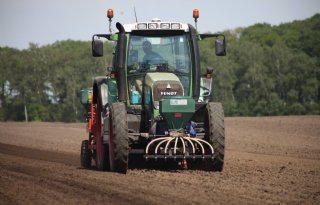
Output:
x=84 y=95
x=114 y=37
x=112 y=91
x=177 y=111
x=109 y=92
x=150 y=80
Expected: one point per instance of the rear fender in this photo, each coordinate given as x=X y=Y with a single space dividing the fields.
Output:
x=105 y=90
x=100 y=90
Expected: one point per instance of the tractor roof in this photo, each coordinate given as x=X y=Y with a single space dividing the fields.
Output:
x=156 y=24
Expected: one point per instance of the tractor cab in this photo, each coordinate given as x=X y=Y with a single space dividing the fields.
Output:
x=158 y=63
x=160 y=54
x=157 y=59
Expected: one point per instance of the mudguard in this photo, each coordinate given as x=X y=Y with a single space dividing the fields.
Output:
x=105 y=90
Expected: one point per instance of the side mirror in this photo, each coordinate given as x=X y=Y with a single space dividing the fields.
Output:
x=220 y=48
x=97 y=48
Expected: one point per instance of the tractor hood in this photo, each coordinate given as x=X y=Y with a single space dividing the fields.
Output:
x=163 y=84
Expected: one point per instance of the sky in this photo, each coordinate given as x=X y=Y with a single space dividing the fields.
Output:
x=47 y=21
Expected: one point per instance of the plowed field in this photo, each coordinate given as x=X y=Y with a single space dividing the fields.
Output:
x=269 y=160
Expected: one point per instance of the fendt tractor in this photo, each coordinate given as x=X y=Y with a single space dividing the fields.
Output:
x=154 y=104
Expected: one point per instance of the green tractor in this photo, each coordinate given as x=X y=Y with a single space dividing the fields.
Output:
x=154 y=104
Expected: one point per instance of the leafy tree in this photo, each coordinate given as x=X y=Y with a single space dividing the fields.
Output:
x=269 y=70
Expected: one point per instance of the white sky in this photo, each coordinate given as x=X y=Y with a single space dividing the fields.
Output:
x=46 y=21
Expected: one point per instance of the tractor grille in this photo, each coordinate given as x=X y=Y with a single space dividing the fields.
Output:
x=166 y=88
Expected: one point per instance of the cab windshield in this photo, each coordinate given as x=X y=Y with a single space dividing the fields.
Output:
x=160 y=54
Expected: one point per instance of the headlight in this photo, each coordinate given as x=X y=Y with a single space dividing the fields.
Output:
x=165 y=26
x=175 y=26
x=153 y=26
x=142 y=26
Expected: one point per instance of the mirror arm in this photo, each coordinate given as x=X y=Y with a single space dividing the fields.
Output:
x=203 y=36
x=107 y=36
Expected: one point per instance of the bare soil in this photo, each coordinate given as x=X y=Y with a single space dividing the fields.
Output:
x=269 y=160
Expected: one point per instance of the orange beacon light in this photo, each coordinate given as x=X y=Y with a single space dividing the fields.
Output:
x=110 y=13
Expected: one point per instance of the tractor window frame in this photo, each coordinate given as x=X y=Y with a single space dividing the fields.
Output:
x=180 y=62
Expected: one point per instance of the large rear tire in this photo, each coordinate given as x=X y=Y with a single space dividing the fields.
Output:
x=119 y=139
x=85 y=155
x=215 y=123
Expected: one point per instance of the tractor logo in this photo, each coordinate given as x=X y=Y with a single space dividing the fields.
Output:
x=170 y=93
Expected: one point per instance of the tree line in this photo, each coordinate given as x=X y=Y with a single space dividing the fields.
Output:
x=269 y=70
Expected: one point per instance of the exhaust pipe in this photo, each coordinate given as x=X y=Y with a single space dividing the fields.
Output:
x=121 y=56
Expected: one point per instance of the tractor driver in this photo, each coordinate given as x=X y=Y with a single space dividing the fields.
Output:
x=150 y=57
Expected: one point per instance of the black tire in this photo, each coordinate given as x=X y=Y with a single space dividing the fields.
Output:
x=119 y=140
x=101 y=164
x=215 y=121
x=85 y=155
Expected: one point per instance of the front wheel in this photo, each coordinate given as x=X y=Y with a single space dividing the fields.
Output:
x=85 y=155
x=215 y=126
x=119 y=140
